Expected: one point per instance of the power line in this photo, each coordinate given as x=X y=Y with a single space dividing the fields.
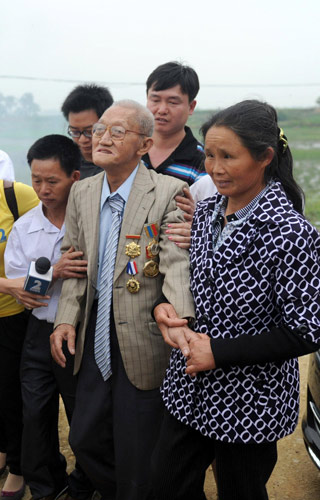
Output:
x=211 y=85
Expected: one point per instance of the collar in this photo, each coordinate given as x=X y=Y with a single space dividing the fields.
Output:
x=186 y=146
x=245 y=211
x=272 y=207
x=184 y=150
x=39 y=222
x=123 y=190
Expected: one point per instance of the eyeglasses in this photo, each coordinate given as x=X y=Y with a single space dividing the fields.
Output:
x=116 y=132
x=76 y=134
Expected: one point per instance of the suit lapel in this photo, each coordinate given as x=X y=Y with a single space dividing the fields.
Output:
x=136 y=212
x=91 y=220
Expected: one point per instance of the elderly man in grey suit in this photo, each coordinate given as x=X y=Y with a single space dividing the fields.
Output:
x=118 y=219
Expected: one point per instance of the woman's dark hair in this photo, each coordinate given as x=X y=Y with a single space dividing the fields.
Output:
x=256 y=125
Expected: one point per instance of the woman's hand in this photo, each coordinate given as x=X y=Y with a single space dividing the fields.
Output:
x=201 y=357
x=14 y=287
x=180 y=234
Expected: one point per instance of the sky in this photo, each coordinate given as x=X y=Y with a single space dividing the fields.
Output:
x=267 y=49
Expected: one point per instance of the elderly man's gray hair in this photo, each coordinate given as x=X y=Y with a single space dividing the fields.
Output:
x=143 y=116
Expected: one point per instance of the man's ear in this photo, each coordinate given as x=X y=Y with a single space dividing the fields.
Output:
x=145 y=146
x=75 y=175
x=192 y=105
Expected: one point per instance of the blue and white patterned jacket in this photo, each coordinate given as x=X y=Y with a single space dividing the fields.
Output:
x=265 y=274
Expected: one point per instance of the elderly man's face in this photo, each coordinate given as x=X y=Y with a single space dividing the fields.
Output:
x=109 y=153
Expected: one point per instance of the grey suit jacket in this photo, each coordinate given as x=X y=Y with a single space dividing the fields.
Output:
x=144 y=353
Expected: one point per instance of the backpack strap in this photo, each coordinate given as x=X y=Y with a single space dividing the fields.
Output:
x=11 y=198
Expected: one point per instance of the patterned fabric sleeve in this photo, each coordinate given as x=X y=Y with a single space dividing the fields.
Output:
x=297 y=280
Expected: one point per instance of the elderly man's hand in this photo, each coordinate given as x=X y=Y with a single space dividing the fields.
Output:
x=60 y=334
x=180 y=337
x=166 y=316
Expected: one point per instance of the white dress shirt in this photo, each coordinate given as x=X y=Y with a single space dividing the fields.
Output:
x=34 y=236
x=203 y=188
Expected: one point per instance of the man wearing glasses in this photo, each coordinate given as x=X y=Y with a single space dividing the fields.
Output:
x=82 y=108
x=119 y=220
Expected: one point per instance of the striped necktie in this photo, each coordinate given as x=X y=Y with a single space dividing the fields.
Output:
x=102 y=352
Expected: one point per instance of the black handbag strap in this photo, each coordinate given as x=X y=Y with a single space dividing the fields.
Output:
x=11 y=198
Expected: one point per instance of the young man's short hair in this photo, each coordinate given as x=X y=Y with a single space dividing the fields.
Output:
x=58 y=147
x=171 y=74
x=88 y=96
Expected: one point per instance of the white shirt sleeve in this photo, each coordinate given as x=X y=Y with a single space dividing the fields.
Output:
x=16 y=262
x=203 y=188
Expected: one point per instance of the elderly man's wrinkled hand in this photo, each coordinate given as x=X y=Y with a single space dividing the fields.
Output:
x=63 y=332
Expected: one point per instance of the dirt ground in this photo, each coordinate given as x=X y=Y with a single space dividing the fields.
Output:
x=294 y=478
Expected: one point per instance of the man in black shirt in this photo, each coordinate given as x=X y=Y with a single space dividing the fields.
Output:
x=171 y=91
x=82 y=109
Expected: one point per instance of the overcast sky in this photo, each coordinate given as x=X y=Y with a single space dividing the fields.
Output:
x=229 y=43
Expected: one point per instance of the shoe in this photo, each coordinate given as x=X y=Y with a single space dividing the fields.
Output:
x=14 y=495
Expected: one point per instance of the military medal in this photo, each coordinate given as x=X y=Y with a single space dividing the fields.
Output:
x=133 y=285
x=152 y=230
x=151 y=269
x=133 y=249
x=152 y=249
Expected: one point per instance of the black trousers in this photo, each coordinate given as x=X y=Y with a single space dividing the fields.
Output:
x=114 y=427
x=182 y=456
x=42 y=380
x=12 y=333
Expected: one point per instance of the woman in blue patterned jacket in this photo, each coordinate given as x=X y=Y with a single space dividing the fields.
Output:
x=255 y=278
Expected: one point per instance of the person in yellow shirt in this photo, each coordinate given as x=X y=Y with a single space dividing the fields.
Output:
x=13 y=323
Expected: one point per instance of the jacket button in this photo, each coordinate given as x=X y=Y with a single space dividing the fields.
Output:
x=303 y=328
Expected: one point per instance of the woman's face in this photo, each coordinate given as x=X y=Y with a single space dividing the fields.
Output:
x=234 y=171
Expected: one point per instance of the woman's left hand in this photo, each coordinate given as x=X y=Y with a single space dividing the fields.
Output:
x=201 y=357
x=179 y=233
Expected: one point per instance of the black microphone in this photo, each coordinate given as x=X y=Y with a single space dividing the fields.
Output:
x=39 y=276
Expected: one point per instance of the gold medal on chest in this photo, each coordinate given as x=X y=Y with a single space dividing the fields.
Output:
x=152 y=249
x=133 y=285
x=133 y=249
x=151 y=269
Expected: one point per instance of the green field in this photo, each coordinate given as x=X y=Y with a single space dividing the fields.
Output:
x=302 y=127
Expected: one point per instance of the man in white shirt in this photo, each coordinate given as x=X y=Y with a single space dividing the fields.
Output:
x=54 y=162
